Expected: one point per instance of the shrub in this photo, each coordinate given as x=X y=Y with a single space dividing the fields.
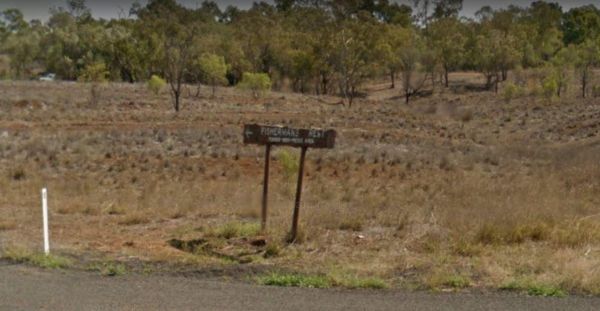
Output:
x=109 y=268
x=95 y=72
x=258 y=83
x=156 y=84
x=294 y=280
x=289 y=162
x=236 y=230
x=550 y=86
x=511 y=91
x=596 y=91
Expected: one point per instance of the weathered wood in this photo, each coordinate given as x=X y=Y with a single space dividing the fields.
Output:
x=286 y=136
x=294 y=232
x=265 y=188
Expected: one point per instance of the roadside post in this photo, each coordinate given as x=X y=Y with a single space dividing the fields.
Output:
x=45 y=221
x=269 y=136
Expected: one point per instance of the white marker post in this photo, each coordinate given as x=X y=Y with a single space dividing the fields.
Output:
x=45 y=215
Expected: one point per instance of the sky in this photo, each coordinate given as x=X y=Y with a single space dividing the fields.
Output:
x=38 y=9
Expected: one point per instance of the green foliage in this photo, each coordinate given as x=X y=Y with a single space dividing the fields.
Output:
x=580 y=24
x=534 y=288
x=294 y=280
x=550 y=86
x=596 y=91
x=512 y=91
x=96 y=72
x=213 y=68
x=325 y=47
x=109 y=268
x=156 y=84
x=272 y=250
x=258 y=83
x=289 y=162
x=236 y=230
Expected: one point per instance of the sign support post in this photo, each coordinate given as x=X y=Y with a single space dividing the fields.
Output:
x=294 y=232
x=263 y=224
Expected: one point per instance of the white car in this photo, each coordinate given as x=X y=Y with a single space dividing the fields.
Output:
x=48 y=77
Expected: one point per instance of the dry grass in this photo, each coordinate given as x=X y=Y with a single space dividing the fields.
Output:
x=475 y=192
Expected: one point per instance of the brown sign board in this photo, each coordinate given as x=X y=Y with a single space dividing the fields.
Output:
x=286 y=136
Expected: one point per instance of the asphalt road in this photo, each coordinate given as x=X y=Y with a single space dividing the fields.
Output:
x=26 y=288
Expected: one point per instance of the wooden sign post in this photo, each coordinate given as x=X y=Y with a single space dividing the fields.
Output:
x=285 y=136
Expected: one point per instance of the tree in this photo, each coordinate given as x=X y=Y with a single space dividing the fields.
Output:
x=258 y=83
x=354 y=56
x=588 y=58
x=448 y=42
x=171 y=31
x=561 y=68
x=392 y=41
x=412 y=65
x=580 y=24
x=447 y=9
x=494 y=55
x=95 y=74
x=13 y=20
x=213 y=69
x=78 y=9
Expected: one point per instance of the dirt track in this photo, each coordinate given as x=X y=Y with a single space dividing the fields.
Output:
x=25 y=288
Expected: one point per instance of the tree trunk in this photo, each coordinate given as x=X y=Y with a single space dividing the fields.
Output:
x=496 y=82
x=325 y=83
x=584 y=83
x=177 y=95
x=446 y=80
x=393 y=78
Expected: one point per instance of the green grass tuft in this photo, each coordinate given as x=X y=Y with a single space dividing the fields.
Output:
x=236 y=230
x=109 y=268
x=534 y=289
x=294 y=280
x=37 y=259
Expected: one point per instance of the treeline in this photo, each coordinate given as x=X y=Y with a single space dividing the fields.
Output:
x=311 y=46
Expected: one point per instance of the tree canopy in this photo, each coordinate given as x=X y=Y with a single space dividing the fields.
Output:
x=309 y=46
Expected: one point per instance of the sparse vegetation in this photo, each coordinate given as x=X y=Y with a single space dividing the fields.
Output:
x=41 y=260
x=534 y=289
x=235 y=230
x=294 y=280
x=109 y=268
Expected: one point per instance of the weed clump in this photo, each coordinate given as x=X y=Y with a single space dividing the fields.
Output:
x=294 y=280
x=37 y=259
x=236 y=230
x=109 y=268
x=289 y=163
x=533 y=288
x=156 y=84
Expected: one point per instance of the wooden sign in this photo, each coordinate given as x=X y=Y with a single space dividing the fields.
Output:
x=286 y=136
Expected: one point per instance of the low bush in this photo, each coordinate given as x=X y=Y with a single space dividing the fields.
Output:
x=156 y=84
